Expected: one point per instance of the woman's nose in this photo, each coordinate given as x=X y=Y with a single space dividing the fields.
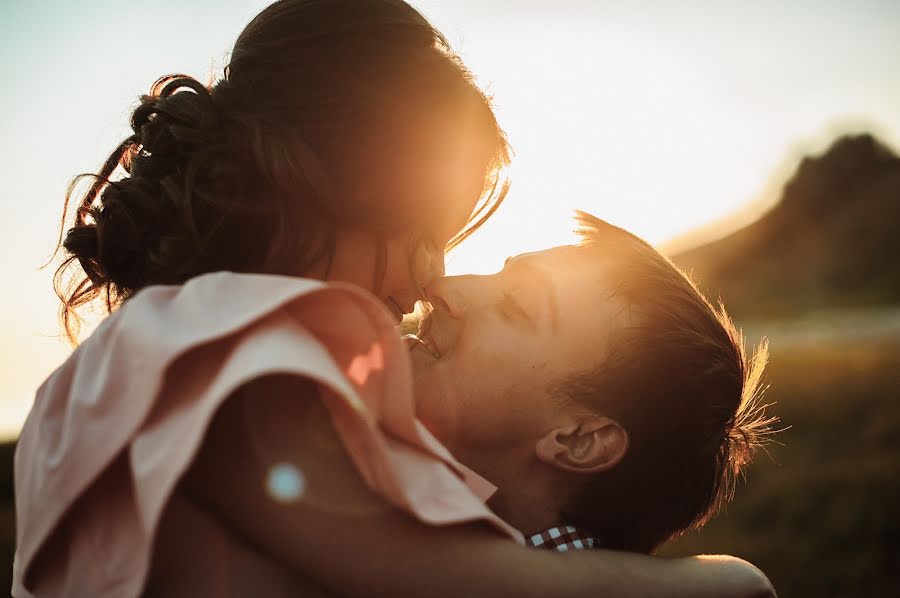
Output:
x=428 y=264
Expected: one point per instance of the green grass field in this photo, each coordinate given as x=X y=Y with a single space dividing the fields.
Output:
x=822 y=516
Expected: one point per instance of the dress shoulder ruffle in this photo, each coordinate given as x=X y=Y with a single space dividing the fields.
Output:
x=114 y=428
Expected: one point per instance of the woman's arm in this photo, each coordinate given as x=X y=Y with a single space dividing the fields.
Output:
x=346 y=538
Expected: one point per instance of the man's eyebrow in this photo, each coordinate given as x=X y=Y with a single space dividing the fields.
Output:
x=545 y=281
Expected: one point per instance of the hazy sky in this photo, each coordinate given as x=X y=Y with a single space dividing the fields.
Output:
x=658 y=116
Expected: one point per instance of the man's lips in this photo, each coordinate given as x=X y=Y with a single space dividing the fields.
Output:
x=426 y=332
x=413 y=342
x=424 y=339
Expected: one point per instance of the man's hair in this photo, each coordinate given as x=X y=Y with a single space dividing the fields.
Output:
x=677 y=378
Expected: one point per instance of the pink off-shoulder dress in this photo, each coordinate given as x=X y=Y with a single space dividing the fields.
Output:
x=114 y=428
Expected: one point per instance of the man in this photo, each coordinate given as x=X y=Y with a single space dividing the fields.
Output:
x=502 y=394
x=595 y=386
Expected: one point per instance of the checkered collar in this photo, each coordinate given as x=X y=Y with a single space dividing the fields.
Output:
x=562 y=538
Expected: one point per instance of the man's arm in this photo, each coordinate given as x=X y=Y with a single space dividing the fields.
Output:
x=346 y=538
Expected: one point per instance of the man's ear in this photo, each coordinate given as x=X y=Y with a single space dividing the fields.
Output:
x=590 y=446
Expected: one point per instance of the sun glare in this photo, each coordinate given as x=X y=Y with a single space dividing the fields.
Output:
x=638 y=140
x=654 y=123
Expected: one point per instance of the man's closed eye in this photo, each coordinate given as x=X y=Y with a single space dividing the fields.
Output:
x=512 y=310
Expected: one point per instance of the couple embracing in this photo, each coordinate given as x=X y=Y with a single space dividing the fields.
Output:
x=248 y=421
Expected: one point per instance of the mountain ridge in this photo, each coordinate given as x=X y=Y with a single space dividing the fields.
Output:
x=832 y=239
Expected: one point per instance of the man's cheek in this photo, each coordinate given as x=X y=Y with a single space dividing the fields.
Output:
x=434 y=409
x=449 y=387
x=500 y=366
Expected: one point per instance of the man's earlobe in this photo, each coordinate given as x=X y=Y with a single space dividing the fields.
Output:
x=590 y=446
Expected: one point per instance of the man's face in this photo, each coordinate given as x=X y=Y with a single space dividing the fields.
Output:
x=505 y=342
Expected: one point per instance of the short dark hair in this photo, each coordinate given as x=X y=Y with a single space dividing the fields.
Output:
x=329 y=112
x=676 y=377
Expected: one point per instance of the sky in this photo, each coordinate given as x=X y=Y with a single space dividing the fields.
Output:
x=659 y=116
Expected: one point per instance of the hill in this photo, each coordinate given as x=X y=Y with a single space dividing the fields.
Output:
x=833 y=239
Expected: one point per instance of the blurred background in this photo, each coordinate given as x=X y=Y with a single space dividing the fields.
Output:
x=756 y=143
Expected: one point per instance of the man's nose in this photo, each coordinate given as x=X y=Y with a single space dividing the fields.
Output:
x=452 y=294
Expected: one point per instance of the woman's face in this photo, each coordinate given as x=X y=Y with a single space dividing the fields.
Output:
x=412 y=259
x=410 y=263
x=448 y=182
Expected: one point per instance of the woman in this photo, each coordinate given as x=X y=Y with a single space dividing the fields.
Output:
x=238 y=426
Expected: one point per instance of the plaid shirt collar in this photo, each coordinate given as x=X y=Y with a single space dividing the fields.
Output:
x=562 y=538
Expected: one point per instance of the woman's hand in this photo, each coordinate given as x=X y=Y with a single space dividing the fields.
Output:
x=720 y=575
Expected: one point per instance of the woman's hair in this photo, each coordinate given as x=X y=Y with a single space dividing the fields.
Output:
x=330 y=112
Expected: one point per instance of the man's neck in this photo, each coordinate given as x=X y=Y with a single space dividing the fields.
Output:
x=529 y=501
x=525 y=515
x=529 y=493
